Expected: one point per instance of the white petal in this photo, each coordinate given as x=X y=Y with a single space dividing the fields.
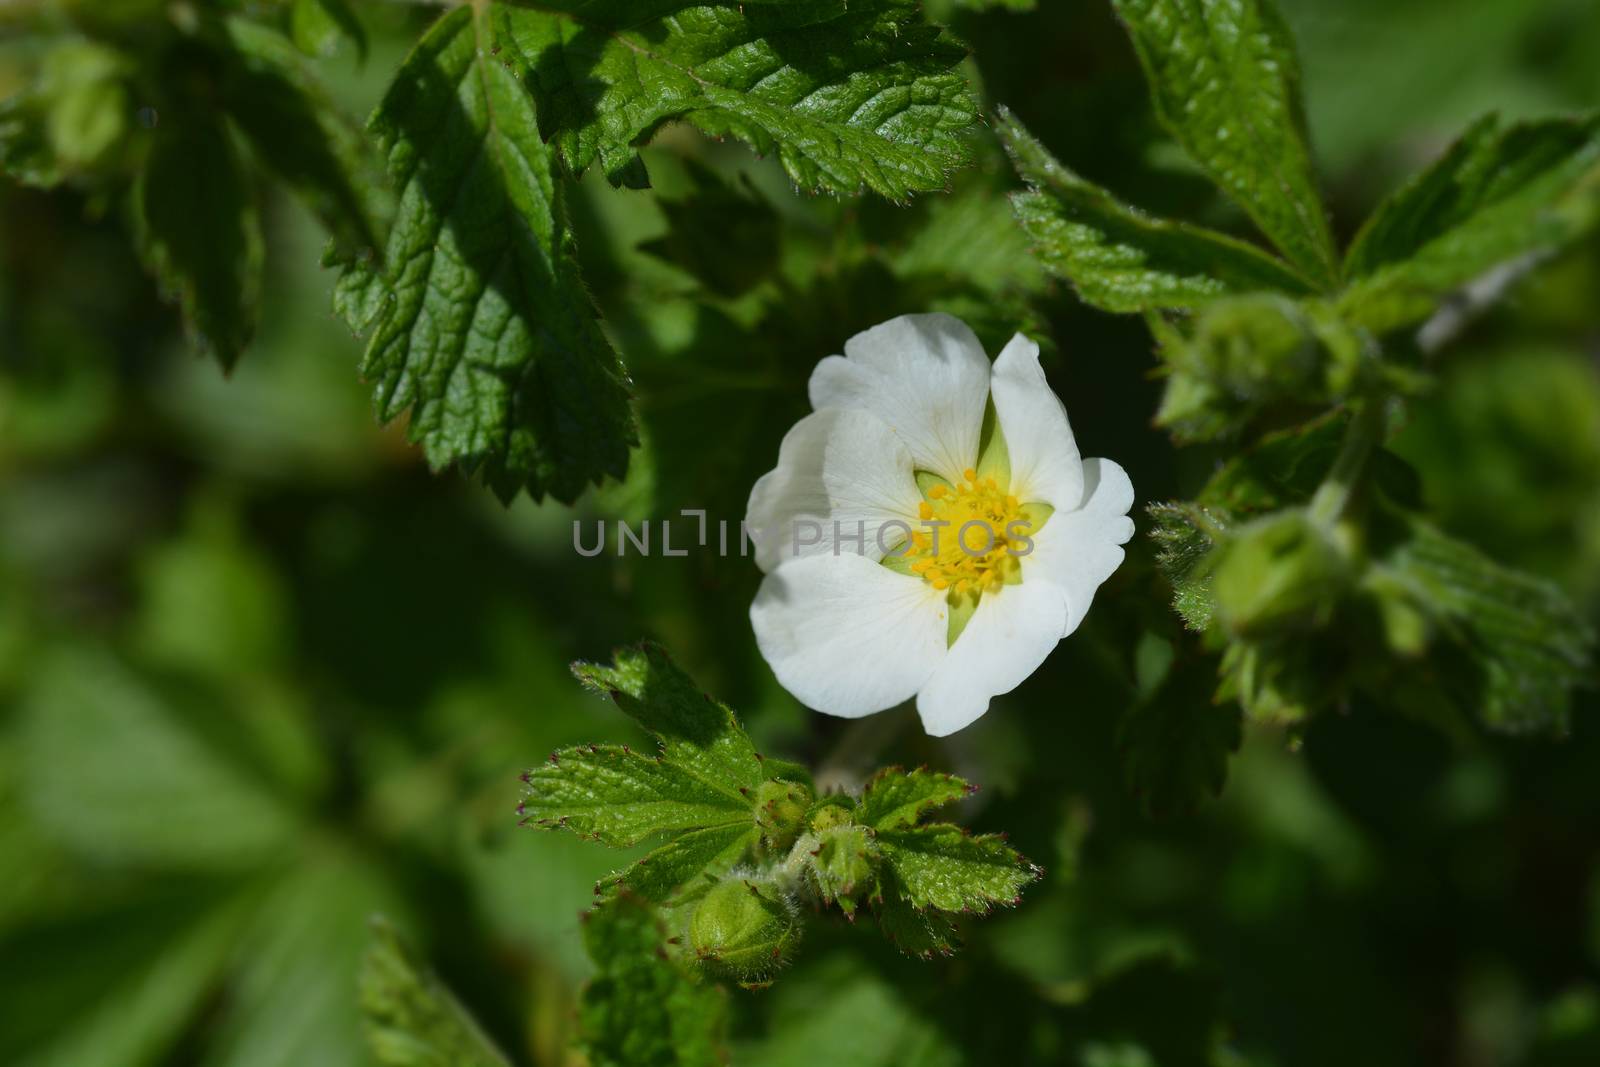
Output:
x=848 y=636
x=1077 y=550
x=834 y=466
x=1006 y=639
x=925 y=376
x=1045 y=464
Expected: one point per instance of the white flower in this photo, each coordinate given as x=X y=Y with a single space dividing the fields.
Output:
x=913 y=429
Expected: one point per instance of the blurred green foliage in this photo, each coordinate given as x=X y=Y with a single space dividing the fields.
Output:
x=263 y=676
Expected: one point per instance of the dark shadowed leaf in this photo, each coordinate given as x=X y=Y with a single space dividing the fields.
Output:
x=199 y=231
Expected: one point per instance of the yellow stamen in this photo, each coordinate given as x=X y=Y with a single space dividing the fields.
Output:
x=980 y=529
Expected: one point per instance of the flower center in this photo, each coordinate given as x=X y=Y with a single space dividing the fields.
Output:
x=972 y=536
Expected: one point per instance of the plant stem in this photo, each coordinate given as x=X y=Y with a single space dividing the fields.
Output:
x=1360 y=438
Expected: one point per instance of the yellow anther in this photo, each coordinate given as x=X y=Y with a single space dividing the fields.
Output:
x=972 y=551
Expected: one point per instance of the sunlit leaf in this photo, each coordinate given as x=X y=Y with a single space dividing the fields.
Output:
x=946 y=868
x=481 y=329
x=1117 y=257
x=847 y=95
x=1226 y=84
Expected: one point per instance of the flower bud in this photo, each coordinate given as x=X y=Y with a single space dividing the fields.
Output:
x=743 y=931
x=1280 y=571
x=1244 y=354
x=781 y=812
x=842 y=865
x=1254 y=346
x=832 y=812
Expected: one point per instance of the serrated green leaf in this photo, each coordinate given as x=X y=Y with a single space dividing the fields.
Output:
x=1118 y=258
x=1526 y=645
x=695 y=731
x=1498 y=195
x=847 y=95
x=621 y=797
x=412 y=1019
x=641 y=1008
x=321 y=27
x=1226 y=84
x=946 y=868
x=296 y=132
x=685 y=866
x=483 y=331
x=1182 y=546
x=920 y=933
x=895 y=798
x=199 y=230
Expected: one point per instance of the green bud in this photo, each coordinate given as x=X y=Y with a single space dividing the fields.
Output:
x=743 y=931
x=781 y=812
x=842 y=865
x=1243 y=354
x=1279 y=572
x=828 y=815
x=1254 y=346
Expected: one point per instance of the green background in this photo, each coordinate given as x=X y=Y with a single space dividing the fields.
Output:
x=262 y=675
